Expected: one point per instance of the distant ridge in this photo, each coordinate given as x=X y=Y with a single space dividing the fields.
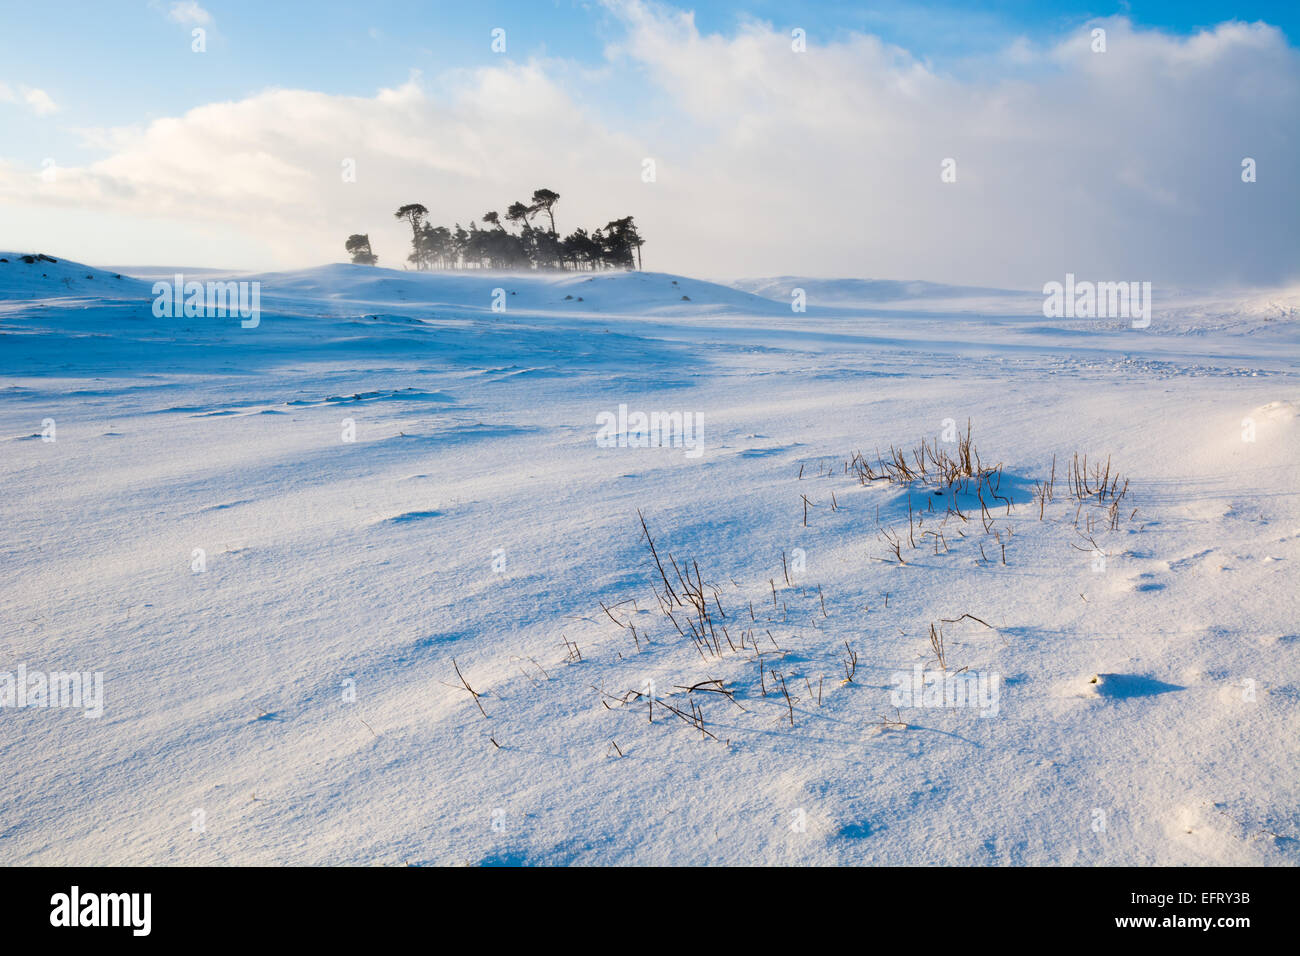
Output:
x=858 y=291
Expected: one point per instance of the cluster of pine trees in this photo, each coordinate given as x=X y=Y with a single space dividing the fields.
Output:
x=537 y=245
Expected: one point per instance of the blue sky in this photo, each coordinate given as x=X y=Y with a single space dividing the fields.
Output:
x=164 y=154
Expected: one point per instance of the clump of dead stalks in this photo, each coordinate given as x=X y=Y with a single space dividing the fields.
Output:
x=1095 y=488
x=691 y=602
x=967 y=488
x=929 y=464
x=933 y=468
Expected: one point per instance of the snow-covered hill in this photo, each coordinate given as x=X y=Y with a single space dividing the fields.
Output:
x=35 y=275
x=290 y=549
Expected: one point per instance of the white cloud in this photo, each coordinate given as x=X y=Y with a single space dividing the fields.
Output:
x=189 y=13
x=1122 y=165
x=273 y=163
x=37 y=100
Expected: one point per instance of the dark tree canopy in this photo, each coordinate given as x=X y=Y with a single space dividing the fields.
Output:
x=615 y=245
x=543 y=201
x=358 y=247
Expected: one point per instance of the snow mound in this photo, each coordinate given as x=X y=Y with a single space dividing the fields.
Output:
x=32 y=275
x=618 y=293
x=1278 y=412
x=351 y=289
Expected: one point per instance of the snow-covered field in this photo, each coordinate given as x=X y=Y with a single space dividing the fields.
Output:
x=275 y=609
